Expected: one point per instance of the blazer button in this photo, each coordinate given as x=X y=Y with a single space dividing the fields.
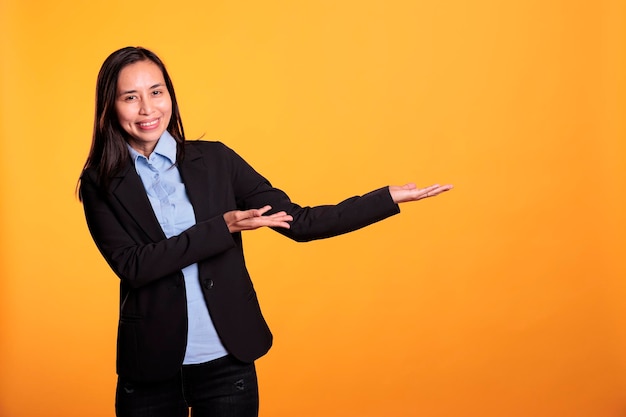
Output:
x=208 y=284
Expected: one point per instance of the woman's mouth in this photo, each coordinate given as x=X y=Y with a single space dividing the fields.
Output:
x=149 y=124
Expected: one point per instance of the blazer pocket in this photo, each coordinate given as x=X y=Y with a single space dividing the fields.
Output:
x=130 y=318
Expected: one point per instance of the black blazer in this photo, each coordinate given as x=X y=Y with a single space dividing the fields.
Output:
x=152 y=330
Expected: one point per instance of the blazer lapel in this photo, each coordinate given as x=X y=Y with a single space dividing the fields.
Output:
x=131 y=194
x=195 y=176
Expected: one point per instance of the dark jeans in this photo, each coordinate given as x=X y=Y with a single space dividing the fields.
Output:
x=224 y=387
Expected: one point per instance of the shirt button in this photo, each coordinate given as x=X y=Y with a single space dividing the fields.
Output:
x=208 y=284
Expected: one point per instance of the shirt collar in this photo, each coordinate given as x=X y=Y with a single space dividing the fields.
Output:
x=166 y=147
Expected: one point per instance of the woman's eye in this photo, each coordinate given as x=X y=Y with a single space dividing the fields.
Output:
x=156 y=93
x=130 y=98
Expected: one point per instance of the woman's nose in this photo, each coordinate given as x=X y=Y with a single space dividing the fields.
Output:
x=146 y=107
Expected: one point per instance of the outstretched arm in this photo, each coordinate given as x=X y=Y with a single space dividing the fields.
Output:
x=238 y=221
x=253 y=193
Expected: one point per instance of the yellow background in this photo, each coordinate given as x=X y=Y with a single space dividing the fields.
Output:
x=502 y=298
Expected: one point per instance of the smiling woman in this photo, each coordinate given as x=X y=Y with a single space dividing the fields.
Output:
x=167 y=215
x=143 y=105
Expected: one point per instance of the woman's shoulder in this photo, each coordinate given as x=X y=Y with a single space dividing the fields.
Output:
x=201 y=145
x=207 y=149
x=89 y=173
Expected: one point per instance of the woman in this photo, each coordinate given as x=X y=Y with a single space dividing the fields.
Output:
x=167 y=215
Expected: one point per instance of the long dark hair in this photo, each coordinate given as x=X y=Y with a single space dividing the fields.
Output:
x=109 y=149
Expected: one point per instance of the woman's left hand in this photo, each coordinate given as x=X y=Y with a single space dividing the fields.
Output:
x=410 y=192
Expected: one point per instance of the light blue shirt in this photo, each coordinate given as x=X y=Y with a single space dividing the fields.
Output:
x=168 y=197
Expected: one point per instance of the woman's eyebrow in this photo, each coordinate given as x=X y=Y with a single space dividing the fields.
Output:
x=134 y=91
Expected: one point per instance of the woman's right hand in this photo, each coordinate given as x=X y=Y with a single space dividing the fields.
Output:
x=238 y=220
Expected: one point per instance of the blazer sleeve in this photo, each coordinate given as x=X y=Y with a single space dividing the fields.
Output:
x=133 y=255
x=252 y=190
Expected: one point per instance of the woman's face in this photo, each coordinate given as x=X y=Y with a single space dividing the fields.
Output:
x=143 y=104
